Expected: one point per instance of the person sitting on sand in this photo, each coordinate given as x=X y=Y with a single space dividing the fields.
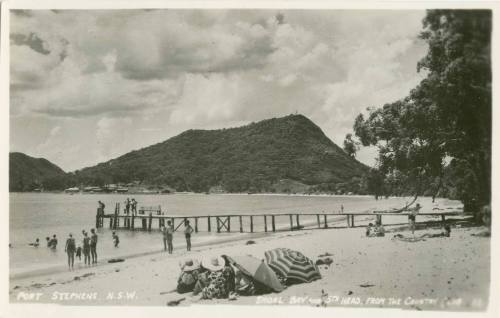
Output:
x=244 y=285
x=217 y=279
x=53 y=242
x=379 y=230
x=188 y=278
x=36 y=243
x=188 y=230
x=70 y=249
x=369 y=229
x=116 y=239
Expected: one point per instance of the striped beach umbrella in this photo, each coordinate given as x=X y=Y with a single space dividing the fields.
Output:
x=292 y=265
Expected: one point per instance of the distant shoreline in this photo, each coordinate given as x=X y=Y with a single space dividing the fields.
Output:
x=227 y=193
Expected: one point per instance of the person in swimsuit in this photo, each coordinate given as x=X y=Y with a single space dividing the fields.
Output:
x=70 y=249
x=170 y=236
x=93 y=246
x=36 y=243
x=116 y=239
x=187 y=233
x=86 y=248
x=53 y=242
x=412 y=217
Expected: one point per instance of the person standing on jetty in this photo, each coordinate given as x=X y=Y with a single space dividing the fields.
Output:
x=93 y=246
x=133 y=204
x=86 y=248
x=187 y=233
x=70 y=249
x=127 y=206
x=101 y=207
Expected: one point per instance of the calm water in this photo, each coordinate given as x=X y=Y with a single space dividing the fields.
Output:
x=38 y=215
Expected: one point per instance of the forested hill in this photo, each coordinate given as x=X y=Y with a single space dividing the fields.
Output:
x=27 y=173
x=259 y=157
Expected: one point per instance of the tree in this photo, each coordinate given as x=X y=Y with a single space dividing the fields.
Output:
x=350 y=145
x=447 y=117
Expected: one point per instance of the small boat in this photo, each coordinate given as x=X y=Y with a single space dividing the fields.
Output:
x=72 y=190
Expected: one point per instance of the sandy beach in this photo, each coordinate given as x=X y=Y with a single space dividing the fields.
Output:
x=436 y=273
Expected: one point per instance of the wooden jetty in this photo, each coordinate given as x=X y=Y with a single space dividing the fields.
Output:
x=146 y=217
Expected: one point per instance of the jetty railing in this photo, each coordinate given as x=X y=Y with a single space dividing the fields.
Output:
x=147 y=216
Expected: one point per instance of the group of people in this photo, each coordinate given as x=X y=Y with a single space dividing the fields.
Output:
x=51 y=242
x=88 y=247
x=168 y=236
x=215 y=278
x=130 y=206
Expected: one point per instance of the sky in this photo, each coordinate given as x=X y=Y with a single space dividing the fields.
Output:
x=87 y=86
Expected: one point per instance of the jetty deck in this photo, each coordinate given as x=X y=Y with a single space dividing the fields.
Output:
x=149 y=218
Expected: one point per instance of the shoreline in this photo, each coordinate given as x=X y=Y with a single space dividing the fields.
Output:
x=434 y=274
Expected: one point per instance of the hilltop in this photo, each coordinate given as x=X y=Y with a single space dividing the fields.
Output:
x=27 y=173
x=275 y=155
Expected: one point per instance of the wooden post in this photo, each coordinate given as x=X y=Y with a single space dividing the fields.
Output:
x=133 y=218
x=209 y=225
x=298 y=223
x=319 y=222
x=144 y=223
x=251 y=223
x=241 y=224
x=97 y=221
x=115 y=223
x=265 y=223
x=291 y=222
x=273 y=223
x=218 y=224
x=352 y=220
x=196 y=225
x=110 y=222
x=325 y=221
x=348 y=220
x=443 y=220
x=150 y=221
x=229 y=223
x=173 y=223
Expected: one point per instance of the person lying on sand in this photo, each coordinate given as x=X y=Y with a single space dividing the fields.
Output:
x=188 y=278
x=445 y=233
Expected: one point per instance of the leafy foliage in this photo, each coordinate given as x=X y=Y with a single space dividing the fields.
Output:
x=447 y=117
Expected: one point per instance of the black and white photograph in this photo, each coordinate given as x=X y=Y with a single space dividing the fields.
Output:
x=284 y=156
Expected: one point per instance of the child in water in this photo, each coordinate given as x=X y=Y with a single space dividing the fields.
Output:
x=116 y=239
x=79 y=252
x=36 y=243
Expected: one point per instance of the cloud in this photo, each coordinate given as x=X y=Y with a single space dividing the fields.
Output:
x=146 y=75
